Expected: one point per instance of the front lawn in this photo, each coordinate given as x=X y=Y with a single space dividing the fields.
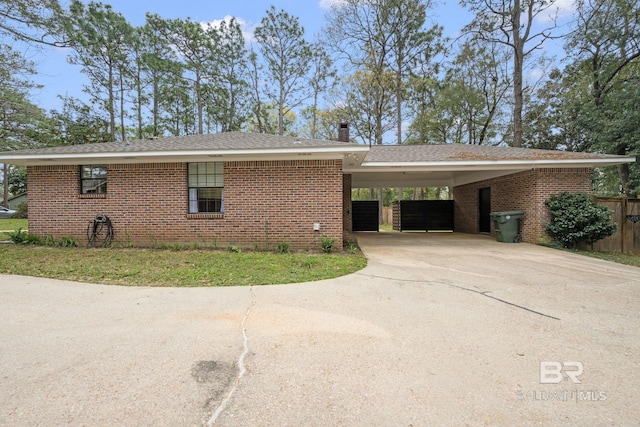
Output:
x=12 y=225
x=620 y=258
x=150 y=267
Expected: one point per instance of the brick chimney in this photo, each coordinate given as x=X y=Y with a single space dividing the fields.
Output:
x=343 y=132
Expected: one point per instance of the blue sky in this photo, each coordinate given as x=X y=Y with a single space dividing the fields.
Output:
x=60 y=78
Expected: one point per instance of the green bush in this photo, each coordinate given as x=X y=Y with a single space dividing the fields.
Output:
x=18 y=237
x=67 y=242
x=327 y=244
x=234 y=249
x=21 y=211
x=282 y=248
x=32 y=239
x=576 y=218
x=21 y=237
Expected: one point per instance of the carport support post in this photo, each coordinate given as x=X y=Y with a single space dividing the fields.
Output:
x=380 y=198
x=623 y=226
x=5 y=186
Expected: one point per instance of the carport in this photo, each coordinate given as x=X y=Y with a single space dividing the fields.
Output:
x=481 y=179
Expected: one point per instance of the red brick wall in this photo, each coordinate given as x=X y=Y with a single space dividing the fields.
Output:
x=347 y=220
x=525 y=191
x=264 y=202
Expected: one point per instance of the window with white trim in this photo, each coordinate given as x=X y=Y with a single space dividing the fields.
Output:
x=93 y=179
x=206 y=187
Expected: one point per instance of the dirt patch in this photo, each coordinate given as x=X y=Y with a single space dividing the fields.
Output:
x=210 y=371
x=215 y=376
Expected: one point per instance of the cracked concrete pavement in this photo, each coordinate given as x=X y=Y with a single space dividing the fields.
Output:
x=437 y=329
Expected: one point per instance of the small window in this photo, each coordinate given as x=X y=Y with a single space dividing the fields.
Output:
x=93 y=179
x=206 y=185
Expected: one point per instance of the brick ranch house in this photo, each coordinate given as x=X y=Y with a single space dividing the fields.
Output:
x=258 y=190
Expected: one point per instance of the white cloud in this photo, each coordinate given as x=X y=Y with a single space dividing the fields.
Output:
x=565 y=8
x=536 y=74
x=247 y=29
x=560 y=9
x=328 y=4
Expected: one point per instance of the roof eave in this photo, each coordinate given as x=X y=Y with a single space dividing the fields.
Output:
x=187 y=156
x=495 y=164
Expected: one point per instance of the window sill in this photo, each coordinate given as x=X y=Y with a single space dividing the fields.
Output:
x=92 y=196
x=218 y=215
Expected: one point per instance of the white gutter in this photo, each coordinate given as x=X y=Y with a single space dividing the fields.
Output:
x=472 y=164
x=53 y=158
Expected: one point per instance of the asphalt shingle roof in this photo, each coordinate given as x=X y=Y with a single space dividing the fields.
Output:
x=254 y=141
x=218 y=141
x=461 y=152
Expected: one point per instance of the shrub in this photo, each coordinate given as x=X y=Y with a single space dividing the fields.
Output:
x=18 y=237
x=576 y=218
x=327 y=244
x=21 y=211
x=49 y=241
x=21 y=237
x=67 y=242
x=234 y=249
x=32 y=239
x=282 y=248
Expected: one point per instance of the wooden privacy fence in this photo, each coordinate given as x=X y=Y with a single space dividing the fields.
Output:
x=626 y=213
x=387 y=214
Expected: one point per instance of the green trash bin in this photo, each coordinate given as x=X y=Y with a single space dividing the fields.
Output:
x=506 y=226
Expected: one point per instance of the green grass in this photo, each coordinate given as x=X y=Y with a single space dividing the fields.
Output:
x=620 y=258
x=148 y=267
x=12 y=224
x=628 y=259
x=386 y=227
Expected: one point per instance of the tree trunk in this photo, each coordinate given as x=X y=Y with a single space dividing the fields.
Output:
x=399 y=100
x=625 y=177
x=156 y=107
x=5 y=187
x=518 y=53
x=281 y=111
x=314 y=116
x=518 y=99
x=139 y=102
x=232 y=108
x=112 y=113
x=199 y=103
x=123 y=133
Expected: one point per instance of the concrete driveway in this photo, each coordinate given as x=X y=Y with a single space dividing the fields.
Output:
x=438 y=329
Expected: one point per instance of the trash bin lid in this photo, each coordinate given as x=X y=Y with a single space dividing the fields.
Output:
x=509 y=213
